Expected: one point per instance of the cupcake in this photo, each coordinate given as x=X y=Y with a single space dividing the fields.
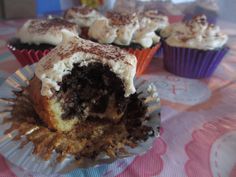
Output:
x=86 y=90
x=37 y=37
x=194 y=48
x=83 y=16
x=126 y=31
x=83 y=103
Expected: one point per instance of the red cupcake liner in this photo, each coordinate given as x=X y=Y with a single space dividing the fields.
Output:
x=192 y=63
x=26 y=56
x=144 y=57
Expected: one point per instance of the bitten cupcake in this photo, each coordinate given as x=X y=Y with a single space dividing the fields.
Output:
x=128 y=32
x=194 y=48
x=83 y=16
x=37 y=37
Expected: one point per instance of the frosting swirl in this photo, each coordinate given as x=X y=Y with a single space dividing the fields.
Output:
x=196 y=33
x=83 y=16
x=38 y=31
x=156 y=20
x=115 y=28
x=149 y=22
x=122 y=29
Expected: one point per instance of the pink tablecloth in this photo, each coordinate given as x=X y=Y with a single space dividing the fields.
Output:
x=198 y=122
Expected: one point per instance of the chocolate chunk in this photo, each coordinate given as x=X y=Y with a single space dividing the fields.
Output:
x=92 y=86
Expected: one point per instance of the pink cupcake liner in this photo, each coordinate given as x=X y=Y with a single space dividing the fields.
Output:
x=26 y=56
x=144 y=57
x=192 y=63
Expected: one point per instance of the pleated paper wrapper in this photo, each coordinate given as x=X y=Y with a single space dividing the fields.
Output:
x=192 y=63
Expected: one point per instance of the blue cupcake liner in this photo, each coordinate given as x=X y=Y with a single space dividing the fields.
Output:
x=192 y=63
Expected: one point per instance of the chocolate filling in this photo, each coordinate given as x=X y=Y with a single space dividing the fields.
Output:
x=90 y=90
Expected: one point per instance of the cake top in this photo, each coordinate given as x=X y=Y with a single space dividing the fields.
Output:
x=43 y=26
x=83 y=16
x=122 y=28
x=196 y=33
x=83 y=10
x=117 y=18
x=59 y=62
x=75 y=45
x=47 y=31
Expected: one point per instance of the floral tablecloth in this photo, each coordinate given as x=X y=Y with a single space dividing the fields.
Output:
x=198 y=122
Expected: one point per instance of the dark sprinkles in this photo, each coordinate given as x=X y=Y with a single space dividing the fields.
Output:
x=83 y=10
x=42 y=26
x=100 y=51
x=118 y=18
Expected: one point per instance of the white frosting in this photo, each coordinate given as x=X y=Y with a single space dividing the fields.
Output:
x=102 y=31
x=85 y=19
x=108 y=30
x=196 y=33
x=125 y=33
x=152 y=19
x=40 y=31
x=150 y=22
x=59 y=62
x=105 y=31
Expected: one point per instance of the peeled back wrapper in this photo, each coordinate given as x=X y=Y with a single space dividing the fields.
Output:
x=192 y=63
x=24 y=158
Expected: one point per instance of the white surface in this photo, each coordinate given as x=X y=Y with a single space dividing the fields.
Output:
x=225 y=148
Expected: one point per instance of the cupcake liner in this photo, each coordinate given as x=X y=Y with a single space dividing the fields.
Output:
x=24 y=157
x=27 y=56
x=159 y=53
x=144 y=57
x=192 y=63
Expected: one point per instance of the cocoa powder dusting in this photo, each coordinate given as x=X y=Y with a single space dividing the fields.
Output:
x=69 y=14
x=83 y=10
x=100 y=51
x=118 y=18
x=42 y=26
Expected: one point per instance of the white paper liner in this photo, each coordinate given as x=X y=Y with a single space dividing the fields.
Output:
x=23 y=157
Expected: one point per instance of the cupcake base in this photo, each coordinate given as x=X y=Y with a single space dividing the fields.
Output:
x=192 y=63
